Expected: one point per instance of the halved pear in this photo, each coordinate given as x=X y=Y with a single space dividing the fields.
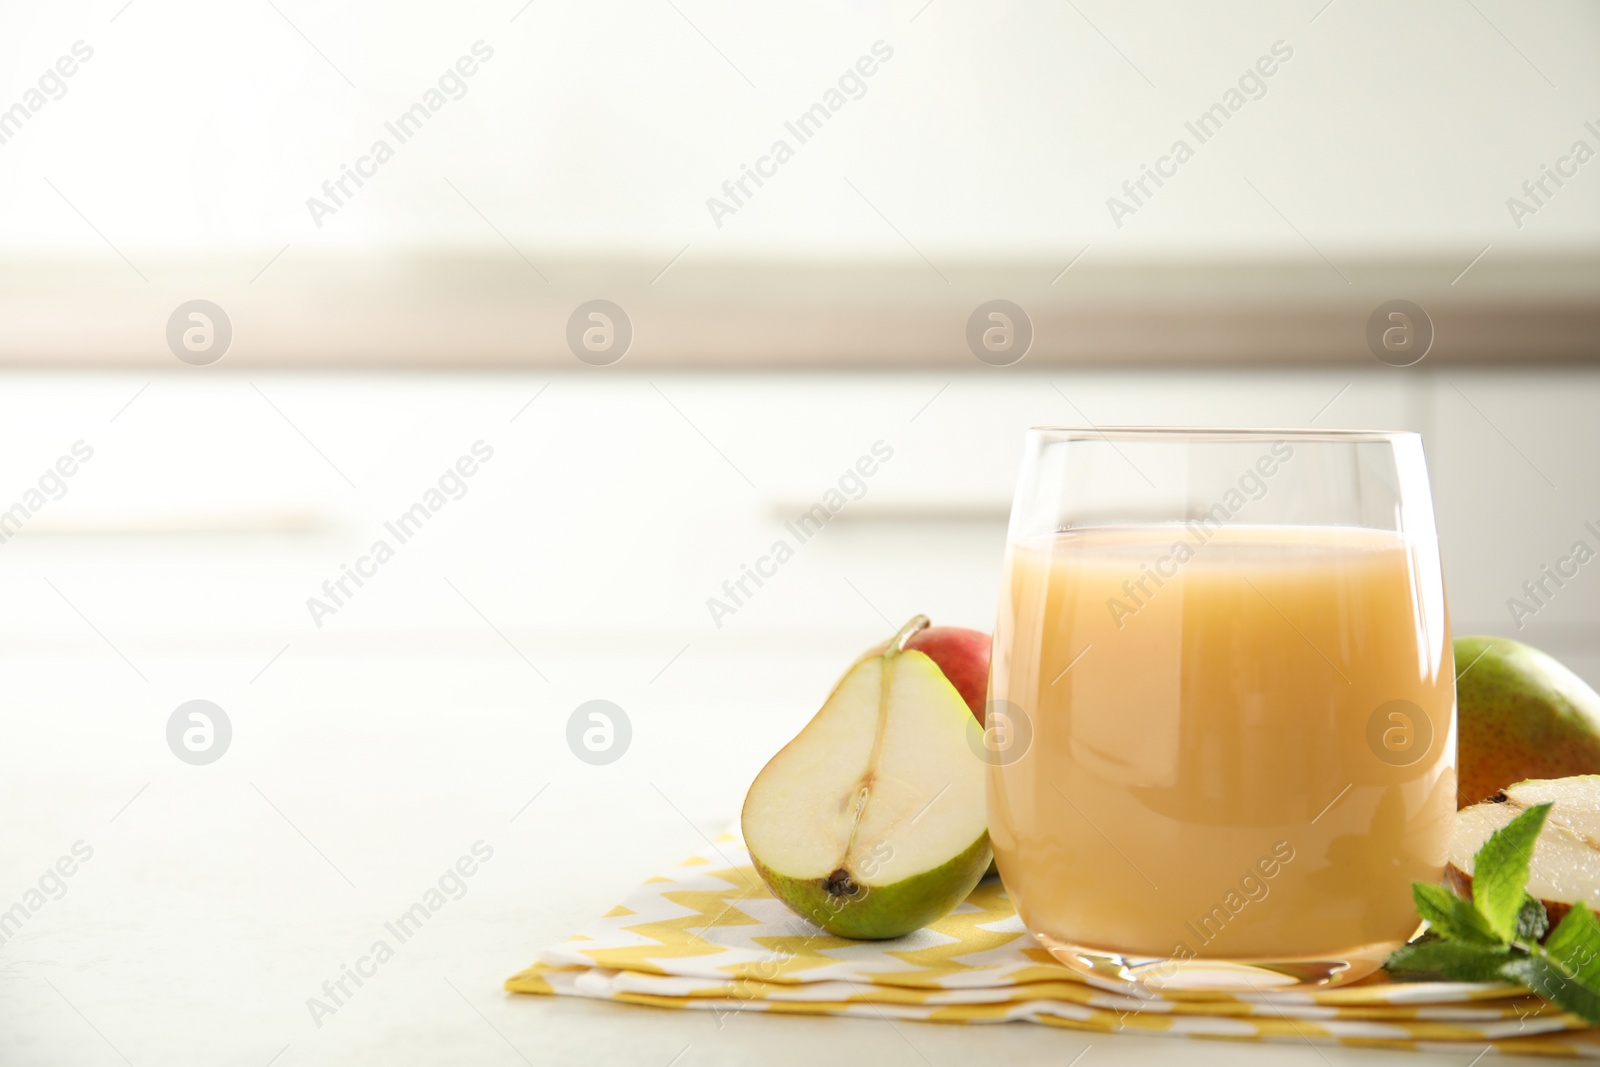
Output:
x=872 y=823
x=1565 y=865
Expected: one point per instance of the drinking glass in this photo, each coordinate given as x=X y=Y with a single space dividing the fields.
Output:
x=1221 y=726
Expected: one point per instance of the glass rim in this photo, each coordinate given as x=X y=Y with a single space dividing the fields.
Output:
x=1217 y=433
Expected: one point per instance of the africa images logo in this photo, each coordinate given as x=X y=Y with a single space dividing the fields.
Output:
x=451 y=85
x=1252 y=85
x=451 y=485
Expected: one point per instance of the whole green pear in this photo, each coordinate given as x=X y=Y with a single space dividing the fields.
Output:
x=1521 y=714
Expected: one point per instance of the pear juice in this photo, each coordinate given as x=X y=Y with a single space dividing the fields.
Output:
x=1240 y=740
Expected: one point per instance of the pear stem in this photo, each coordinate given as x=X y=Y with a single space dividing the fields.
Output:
x=898 y=642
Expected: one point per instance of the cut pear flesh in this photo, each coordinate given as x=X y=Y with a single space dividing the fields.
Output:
x=1565 y=866
x=872 y=822
x=1576 y=800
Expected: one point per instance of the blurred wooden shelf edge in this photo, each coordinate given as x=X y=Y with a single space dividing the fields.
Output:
x=495 y=311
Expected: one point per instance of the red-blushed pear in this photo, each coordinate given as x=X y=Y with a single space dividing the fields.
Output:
x=963 y=656
x=872 y=822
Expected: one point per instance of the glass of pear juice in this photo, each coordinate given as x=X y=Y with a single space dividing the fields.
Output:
x=1221 y=726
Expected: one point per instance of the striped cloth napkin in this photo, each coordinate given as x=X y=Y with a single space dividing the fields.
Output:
x=708 y=935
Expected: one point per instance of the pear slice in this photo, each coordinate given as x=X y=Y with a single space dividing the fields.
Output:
x=872 y=823
x=1565 y=866
x=1576 y=800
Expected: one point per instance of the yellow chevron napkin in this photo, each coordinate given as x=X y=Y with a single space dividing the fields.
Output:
x=708 y=935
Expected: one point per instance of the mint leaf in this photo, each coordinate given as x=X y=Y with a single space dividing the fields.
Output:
x=1450 y=960
x=1500 y=870
x=1546 y=978
x=1576 y=945
x=1532 y=920
x=1450 y=916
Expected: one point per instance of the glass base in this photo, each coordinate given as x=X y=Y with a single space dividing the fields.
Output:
x=1159 y=974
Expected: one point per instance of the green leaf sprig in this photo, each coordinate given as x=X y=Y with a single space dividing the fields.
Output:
x=1497 y=935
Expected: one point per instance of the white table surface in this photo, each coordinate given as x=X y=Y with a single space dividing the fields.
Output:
x=205 y=919
x=369 y=754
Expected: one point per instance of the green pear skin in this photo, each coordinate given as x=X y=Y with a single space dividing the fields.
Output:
x=883 y=912
x=1520 y=715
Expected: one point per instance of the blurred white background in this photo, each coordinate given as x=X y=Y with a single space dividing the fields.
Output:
x=995 y=130
x=824 y=315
